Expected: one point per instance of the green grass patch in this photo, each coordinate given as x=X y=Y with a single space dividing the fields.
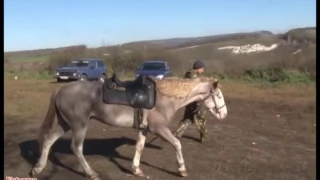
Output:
x=271 y=77
x=277 y=75
x=47 y=75
x=258 y=77
x=28 y=75
x=37 y=58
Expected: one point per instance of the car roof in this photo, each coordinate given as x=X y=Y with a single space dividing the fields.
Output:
x=154 y=61
x=85 y=59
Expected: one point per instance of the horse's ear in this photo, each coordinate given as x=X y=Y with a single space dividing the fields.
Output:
x=215 y=83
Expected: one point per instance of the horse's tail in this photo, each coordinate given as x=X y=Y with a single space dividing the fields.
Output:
x=51 y=114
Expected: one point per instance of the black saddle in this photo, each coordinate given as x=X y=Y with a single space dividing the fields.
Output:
x=139 y=93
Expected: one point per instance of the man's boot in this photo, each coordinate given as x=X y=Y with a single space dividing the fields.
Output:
x=203 y=138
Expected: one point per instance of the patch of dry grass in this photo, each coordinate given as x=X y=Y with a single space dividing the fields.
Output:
x=282 y=93
x=27 y=98
x=30 y=98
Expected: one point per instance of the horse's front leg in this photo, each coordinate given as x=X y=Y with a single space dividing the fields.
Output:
x=167 y=135
x=139 y=148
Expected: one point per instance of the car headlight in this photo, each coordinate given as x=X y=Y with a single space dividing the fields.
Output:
x=74 y=74
x=137 y=75
x=160 y=76
x=57 y=73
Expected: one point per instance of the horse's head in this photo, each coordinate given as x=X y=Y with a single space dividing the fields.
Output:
x=215 y=102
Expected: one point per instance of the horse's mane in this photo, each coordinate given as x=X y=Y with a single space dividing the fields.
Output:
x=174 y=87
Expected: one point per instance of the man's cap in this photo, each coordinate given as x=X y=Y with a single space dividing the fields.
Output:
x=198 y=64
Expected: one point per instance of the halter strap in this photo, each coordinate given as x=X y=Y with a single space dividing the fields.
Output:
x=215 y=103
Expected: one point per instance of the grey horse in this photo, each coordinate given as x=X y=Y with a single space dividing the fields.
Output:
x=76 y=103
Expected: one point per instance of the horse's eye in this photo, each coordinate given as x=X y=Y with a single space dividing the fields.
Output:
x=215 y=93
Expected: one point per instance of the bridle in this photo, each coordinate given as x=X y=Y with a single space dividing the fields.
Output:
x=212 y=94
x=218 y=108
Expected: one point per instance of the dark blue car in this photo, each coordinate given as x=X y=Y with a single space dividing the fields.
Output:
x=157 y=69
x=83 y=70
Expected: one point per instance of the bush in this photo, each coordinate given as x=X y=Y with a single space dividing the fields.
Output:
x=277 y=75
x=124 y=63
x=274 y=66
x=64 y=57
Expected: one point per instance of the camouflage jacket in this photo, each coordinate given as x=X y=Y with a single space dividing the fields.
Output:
x=190 y=75
x=195 y=107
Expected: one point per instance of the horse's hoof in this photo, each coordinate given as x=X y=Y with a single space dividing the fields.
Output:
x=183 y=173
x=138 y=172
x=95 y=177
x=33 y=172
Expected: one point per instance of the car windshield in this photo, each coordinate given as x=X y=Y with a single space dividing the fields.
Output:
x=79 y=64
x=153 y=66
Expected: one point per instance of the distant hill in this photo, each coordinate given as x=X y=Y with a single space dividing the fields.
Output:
x=186 y=42
x=42 y=51
x=294 y=37
x=162 y=43
x=301 y=36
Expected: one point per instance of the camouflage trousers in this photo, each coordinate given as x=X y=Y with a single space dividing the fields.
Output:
x=196 y=118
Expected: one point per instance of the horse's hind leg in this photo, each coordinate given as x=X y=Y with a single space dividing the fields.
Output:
x=166 y=134
x=139 y=147
x=46 y=140
x=77 y=148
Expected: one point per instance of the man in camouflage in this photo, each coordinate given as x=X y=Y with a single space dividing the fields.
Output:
x=194 y=112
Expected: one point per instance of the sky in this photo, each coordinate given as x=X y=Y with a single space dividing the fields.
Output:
x=37 y=24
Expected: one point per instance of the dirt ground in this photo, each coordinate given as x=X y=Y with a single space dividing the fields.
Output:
x=269 y=134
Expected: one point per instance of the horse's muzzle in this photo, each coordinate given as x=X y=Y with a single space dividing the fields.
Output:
x=220 y=115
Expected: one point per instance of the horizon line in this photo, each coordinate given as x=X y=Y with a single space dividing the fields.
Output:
x=119 y=44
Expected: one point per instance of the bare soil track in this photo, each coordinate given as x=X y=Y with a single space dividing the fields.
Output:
x=269 y=134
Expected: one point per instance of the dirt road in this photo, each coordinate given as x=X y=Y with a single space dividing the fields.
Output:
x=269 y=134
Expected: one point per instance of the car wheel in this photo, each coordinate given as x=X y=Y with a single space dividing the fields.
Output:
x=102 y=77
x=83 y=77
x=59 y=80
